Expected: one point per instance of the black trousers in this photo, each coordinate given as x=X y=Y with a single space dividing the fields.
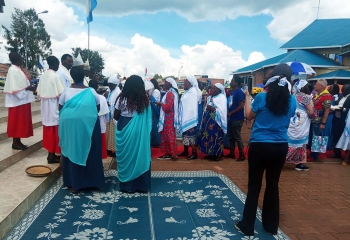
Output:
x=234 y=133
x=337 y=129
x=261 y=157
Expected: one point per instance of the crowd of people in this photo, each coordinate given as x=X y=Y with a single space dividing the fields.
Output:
x=80 y=126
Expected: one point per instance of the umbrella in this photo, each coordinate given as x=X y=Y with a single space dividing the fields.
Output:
x=300 y=68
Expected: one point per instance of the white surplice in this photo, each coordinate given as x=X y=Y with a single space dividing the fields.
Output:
x=15 y=84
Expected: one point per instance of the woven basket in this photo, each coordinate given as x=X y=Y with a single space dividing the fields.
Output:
x=38 y=171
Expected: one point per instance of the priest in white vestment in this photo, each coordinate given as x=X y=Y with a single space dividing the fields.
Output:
x=63 y=70
x=19 y=95
x=49 y=89
x=87 y=74
x=114 y=91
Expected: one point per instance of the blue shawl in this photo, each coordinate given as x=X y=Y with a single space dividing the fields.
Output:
x=134 y=147
x=76 y=124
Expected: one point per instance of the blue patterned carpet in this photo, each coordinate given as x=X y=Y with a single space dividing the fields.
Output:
x=181 y=206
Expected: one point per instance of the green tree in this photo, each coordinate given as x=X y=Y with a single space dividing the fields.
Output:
x=171 y=76
x=95 y=60
x=157 y=76
x=39 y=43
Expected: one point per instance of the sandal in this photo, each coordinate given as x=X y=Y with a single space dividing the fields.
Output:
x=72 y=190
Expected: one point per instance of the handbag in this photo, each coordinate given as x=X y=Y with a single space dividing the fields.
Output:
x=319 y=144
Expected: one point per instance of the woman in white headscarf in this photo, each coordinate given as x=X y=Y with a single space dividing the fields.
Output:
x=299 y=126
x=114 y=91
x=200 y=113
x=168 y=120
x=214 y=124
x=188 y=115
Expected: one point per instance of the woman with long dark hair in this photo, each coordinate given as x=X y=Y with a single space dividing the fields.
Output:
x=134 y=116
x=268 y=149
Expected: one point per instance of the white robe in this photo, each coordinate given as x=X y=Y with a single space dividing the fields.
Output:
x=86 y=81
x=50 y=85
x=49 y=111
x=15 y=85
x=103 y=113
x=65 y=76
x=111 y=100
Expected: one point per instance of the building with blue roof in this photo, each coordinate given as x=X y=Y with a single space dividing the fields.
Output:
x=324 y=45
x=323 y=36
x=342 y=76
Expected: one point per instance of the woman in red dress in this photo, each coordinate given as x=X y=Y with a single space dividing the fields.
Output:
x=168 y=120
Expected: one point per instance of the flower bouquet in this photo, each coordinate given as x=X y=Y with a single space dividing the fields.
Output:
x=256 y=90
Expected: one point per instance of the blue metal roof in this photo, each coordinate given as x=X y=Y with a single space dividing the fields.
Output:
x=338 y=74
x=309 y=57
x=322 y=33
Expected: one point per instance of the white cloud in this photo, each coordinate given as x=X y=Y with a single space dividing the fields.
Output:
x=215 y=10
x=213 y=58
x=59 y=22
x=289 y=17
x=290 y=21
x=255 y=57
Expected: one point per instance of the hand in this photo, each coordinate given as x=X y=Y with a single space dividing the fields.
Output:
x=31 y=88
x=246 y=92
x=210 y=108
x=322 y=126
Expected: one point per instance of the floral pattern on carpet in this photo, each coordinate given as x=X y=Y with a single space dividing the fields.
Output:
x=181 y=206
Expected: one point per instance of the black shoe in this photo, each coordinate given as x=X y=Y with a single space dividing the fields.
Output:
x=209 y=157
x=19 y=147
x=53 y=160
x=193 y=156
x=184 y=153
x=230 y=155
x=216 y=159
x=241 y=158
x=301 y=167
x=334 y=156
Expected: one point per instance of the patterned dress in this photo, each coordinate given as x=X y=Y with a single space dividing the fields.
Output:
x=299 y=127
x=211 y=138
x=168 y=135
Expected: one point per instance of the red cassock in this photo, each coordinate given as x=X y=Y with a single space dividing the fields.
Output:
x=104 y=145
x=19 y=123
x=50 y=139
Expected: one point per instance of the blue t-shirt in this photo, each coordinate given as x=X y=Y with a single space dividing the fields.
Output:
x=236 y=97
x=267 y=126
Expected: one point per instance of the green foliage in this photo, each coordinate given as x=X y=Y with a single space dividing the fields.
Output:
x=95 y=60
x=2 y=83
x=39 y=42
x=157 y=76
x=175 y=78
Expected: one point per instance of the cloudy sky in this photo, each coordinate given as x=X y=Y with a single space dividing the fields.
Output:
x=212 y=37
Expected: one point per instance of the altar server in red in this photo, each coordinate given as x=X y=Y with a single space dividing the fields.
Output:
x=19 y=95
x=50 y=88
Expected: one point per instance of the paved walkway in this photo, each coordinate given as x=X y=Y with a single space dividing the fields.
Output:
x=314 y=204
